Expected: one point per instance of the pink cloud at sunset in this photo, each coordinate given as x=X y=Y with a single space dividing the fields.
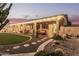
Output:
x=17 y=20
x=75 y=20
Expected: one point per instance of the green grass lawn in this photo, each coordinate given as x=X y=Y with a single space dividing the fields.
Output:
x=6 y=39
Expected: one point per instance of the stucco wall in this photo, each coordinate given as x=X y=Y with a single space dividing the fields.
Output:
x=69 y=30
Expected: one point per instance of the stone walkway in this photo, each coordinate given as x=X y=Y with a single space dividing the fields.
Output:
x=39 y=48
x=28 y=47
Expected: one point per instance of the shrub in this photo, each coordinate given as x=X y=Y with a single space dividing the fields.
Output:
x=55 y=54
x=57 y=37
x=41 y=53
x=44 y=53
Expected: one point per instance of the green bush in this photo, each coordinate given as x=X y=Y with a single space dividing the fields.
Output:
x=57 y=37
x=41 y=53
x=44 y=53
x=55 y=54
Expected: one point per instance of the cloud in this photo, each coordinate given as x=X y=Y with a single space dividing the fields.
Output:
x=17 y=20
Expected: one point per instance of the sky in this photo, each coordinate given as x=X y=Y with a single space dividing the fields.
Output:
x=37 y=10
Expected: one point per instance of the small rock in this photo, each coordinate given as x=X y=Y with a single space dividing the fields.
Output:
x=26 y=45
x=38 y=41
x=8 y=50
x=16 y=47
x=53 y=45
x=33 y=43
x=56 y=42
x=42 y=40
x=64 y=35
x=59 y=50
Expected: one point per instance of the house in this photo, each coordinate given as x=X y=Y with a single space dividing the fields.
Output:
x=42 y=26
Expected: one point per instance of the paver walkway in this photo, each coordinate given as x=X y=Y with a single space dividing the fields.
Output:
x=27 y=47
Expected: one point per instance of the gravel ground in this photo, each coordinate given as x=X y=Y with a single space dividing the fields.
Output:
x=70 y=47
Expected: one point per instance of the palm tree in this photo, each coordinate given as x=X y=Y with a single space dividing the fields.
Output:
x=4 y=14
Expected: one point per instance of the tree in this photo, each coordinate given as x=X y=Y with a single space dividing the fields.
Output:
x=69 y=23
x=4 y=14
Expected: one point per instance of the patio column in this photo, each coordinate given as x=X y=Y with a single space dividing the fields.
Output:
x=50 y=30
x=57 y=27
x=34 y=30
x=40 y=26
x=31 y=29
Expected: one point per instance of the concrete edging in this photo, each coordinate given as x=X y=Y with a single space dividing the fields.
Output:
x=41 y=47
x=21 y=54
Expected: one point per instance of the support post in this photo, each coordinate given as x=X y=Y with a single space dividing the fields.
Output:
x=50 y=30
x=34 y=30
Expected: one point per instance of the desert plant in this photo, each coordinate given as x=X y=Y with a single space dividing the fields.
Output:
x=41 y=53
x=4 y=14
x=57 y=37
x=44 y=53
x=55 y=54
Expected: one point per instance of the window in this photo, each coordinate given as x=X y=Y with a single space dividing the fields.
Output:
x=38 y=26
x=45 y=25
